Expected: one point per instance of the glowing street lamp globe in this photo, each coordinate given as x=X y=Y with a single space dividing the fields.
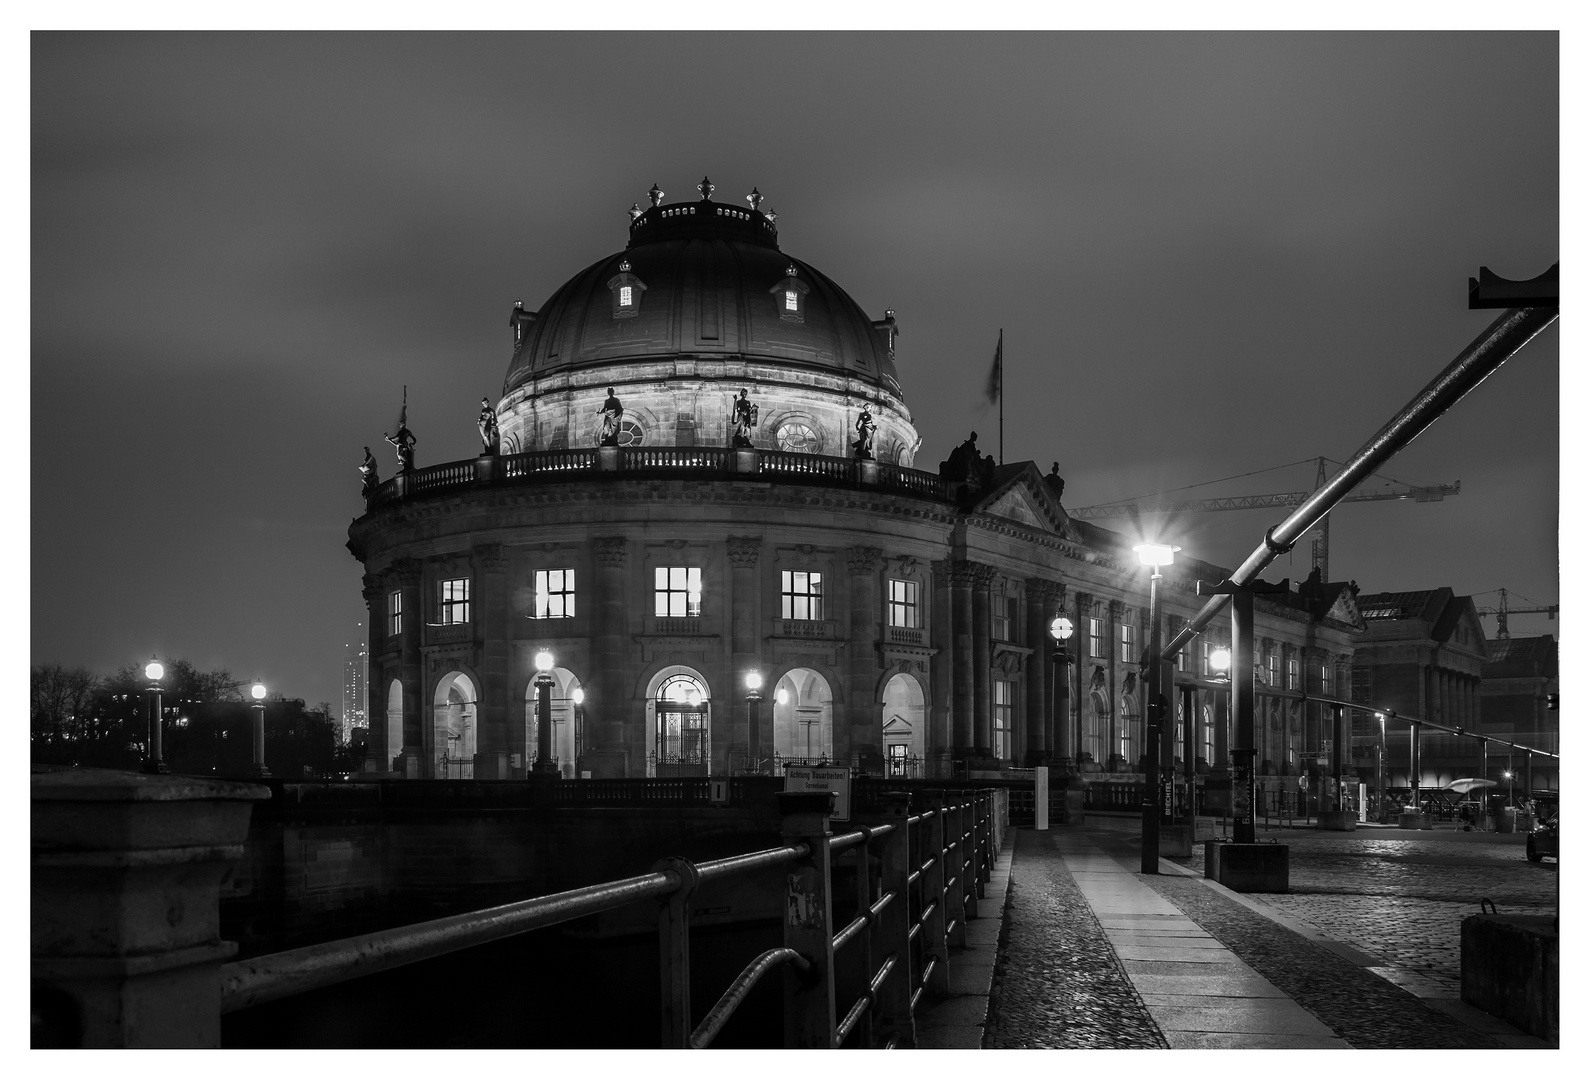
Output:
x=1156 y=554
x=544 y=661
x=578 y=696
x=154 y=671
x=753 y=680
x=258 y=691
x=1220 y=661
x=1060 y=628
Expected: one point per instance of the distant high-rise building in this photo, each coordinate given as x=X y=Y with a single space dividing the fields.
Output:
x=355 y=666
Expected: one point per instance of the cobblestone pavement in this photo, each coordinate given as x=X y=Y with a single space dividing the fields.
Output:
x=1057 y=984
x=1402 y=897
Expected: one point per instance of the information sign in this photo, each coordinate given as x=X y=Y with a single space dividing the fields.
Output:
x=835 y=778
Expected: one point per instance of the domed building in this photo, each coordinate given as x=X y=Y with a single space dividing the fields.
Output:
x=701 y=476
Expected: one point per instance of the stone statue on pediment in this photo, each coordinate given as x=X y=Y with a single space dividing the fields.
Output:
x=368 y=474
x=612 y=412
x=490 y=440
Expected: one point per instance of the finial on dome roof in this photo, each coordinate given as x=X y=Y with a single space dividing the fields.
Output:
x=656 y=194
x=790 y=271
x=623 y=267
x=706 y=187
x=634 y=211
x=888 y=313
x=772 y=215
x=755 y=199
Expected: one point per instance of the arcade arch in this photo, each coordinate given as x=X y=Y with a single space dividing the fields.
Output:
x=394 y=723
x=803 y=717
x=904 y=722
x=453 y=728
x=568 y=722
x=679 y=717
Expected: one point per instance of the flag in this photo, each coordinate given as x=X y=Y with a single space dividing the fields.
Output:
x=996 y=375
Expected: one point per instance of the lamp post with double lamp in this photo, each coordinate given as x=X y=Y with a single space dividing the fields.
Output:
x=1155 y=793
x=257 y=767
x=1060 y=633
x=155 y=758
x=544 y=768
x=753 y=719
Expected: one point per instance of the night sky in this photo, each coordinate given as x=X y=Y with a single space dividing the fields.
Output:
x=1211 y=254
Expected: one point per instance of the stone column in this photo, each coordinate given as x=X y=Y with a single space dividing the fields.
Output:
x=1038 y=605
x=611 y=742
x=1080 y=704
x=125 y=888
x=1119 y=721
x=961 y=653
x=941 y=633
x=982 y=690
x=744 y=554
x=411 y=759
x=375 y=759
x=866 y=730
x=489 y=625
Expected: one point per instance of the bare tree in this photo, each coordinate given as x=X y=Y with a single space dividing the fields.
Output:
x=61 y=712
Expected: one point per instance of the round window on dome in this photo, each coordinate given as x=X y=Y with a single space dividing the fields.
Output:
x=630 y=433
x=799 y=439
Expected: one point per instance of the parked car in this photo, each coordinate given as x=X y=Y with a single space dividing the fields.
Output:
x=1542 y=841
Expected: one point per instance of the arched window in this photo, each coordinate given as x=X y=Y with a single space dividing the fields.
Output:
x=626 y=289
x=630 y=433
x=798 y=438
x=789 y=296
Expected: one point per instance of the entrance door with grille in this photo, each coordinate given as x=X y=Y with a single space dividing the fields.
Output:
x=682 y=748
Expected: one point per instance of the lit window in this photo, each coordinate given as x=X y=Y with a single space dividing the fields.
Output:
x=554 y=594
x=792 y=300
x=1128 y=643
x=1096 y=638
x=678 y=592
x=454 y=601
x=1291 y=673
x=1004 y=714
x=801 y=595
x=798 y=439
x=630 y=433
x=903 y=603
x=1325 y=678
x=626 y=295
x=1204 y=649
x=394 y=613
x=1272 y=675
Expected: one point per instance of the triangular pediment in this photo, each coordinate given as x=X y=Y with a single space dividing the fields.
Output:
x=1345 y=610
x=1017 y=506
x=1024 y=498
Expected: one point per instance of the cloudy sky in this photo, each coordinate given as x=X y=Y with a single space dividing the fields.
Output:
x=1210 y=254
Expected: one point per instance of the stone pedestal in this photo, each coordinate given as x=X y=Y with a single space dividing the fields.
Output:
x=1248 y=867
x=1412 y=819
x=493 y=765
x=126 y=883
x=1076 y=800
x=1338 y=820
x=867 y=471
x=1175 y=841
x=607 y=459
x=407 y=765
x=1510 y=969
x=746 y=460
x=485 y=468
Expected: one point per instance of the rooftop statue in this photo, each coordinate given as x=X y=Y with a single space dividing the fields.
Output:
x=404 y=441
x=744 y=418
x=966 y=465
x=367 y=472
x=612 y=412
x=490 y=440
x=865 y=429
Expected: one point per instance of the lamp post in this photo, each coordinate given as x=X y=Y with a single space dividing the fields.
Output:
x=1380 y=768
x=577 y=695
x=1156 y=556
x=155 y=758
x=753 y=711
x=544 y=769
x=1060 y=629
x=257 y=692
x=1220 y=671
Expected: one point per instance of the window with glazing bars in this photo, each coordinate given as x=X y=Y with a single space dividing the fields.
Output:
x=394 y=613
x=1128 y=643
x=452 y=601
x=554 y=594
x=1096 y=638
x=678 y=592
x=801 y=594
x=1004 y=719
x=903 y=603
x=1291 y=673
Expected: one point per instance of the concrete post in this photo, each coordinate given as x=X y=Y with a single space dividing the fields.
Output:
x=126 y=876
x=809 y=1019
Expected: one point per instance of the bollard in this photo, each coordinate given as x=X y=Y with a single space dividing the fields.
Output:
x=127 y=870
x=673 y=943
x=894 y=1020
x=809 y=1019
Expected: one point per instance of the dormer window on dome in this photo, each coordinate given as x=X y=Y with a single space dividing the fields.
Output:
x=790 y=296
x=626 y=289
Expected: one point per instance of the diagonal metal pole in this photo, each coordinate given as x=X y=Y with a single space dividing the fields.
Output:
x=1509 y=333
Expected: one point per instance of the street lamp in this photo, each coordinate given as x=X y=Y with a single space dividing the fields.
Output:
x=753 y=716
x=544 y=769
x=1060 y=629
x=1380 y=766
x=257 y=692
x=577 y=696
x=155 y=759
x=1154 y=795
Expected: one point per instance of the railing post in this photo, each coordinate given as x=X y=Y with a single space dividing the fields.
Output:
x=865 y=952
x=935 y=900
x=127 y=872
x=673 y=941
x=954 y=861
x=809 y=1019
x=894 y=924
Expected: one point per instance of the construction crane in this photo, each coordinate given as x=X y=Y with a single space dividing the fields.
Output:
x=1320 y=541
x=1501 y=611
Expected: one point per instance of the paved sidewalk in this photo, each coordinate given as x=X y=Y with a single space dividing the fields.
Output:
x=1198 y=992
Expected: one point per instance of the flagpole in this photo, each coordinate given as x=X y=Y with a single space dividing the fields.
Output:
x=1001 y=351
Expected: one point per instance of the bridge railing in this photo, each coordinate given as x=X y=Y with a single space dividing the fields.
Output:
x=916 y=879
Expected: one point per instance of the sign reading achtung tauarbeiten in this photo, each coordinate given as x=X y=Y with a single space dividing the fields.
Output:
x=835 y=778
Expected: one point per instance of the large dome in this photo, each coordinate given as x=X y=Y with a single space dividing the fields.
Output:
x=701 y=308
x=706 y=279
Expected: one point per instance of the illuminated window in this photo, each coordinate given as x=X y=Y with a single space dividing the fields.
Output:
x=1004 y=719
x=1096 y=638
x=554 y=594
x=801 y=594
x=678 y=592
x=1291 y=673
x=630 y=433
x=453 y=601
x=903 y=603
x=1325 y=679
x=394 y=613
x=792 y=300
x=798 y=439
x=1272 y=669
x=1128 y=643
x=626 y=295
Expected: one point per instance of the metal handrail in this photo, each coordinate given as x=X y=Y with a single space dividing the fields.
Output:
x=719 y=1014
x=1392 y=714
